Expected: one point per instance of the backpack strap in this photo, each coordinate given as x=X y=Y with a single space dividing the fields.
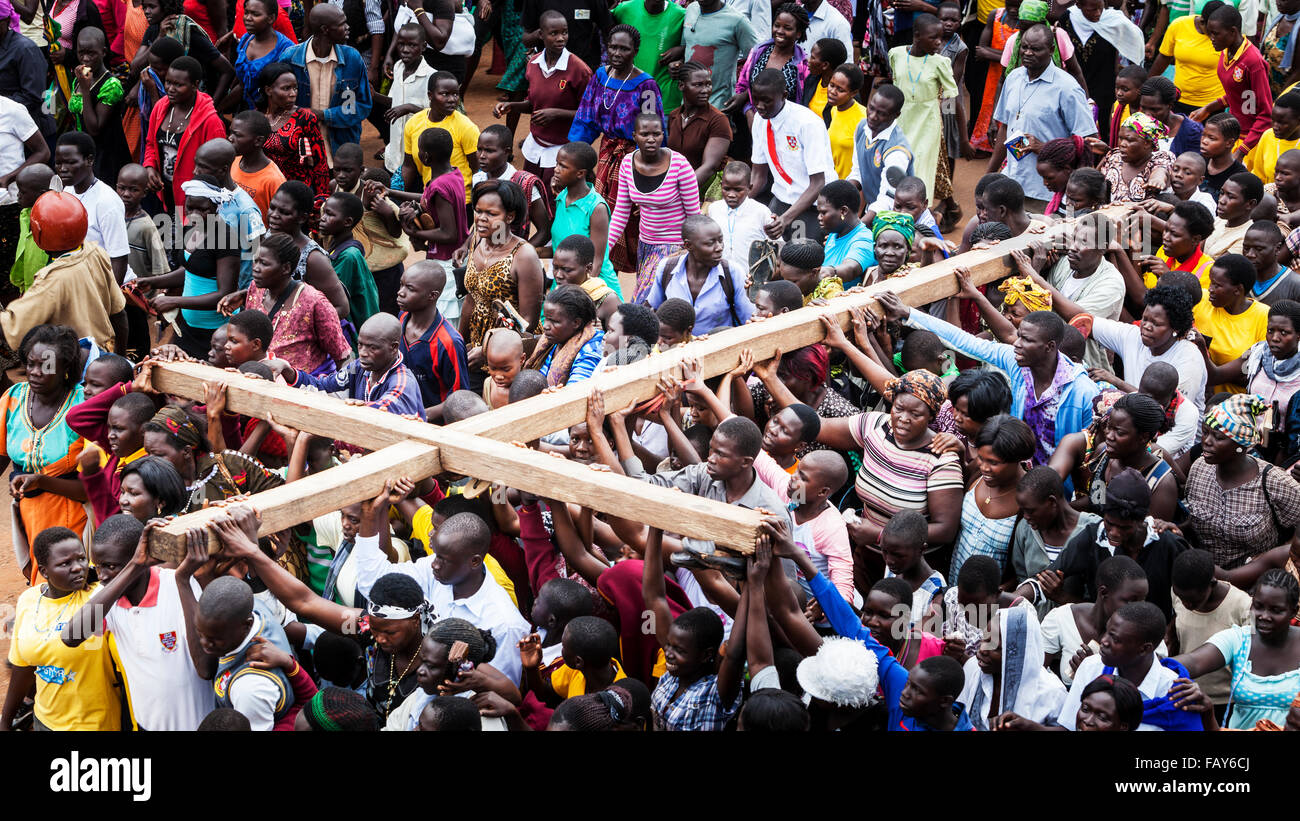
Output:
x=670 y=264
x=729 y=291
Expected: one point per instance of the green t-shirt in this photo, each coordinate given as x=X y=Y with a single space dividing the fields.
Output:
x=718 y=39
x=659 y=32
x=352 y=270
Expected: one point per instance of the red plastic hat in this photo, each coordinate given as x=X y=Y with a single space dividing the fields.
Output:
x=58 y=222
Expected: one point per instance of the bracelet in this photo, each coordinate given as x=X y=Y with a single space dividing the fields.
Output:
x=425 y=12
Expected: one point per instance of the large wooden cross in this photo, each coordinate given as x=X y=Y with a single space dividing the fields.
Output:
x=481 y=447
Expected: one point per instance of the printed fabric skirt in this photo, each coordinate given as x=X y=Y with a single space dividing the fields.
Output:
x=648 y=257
x=608 y=163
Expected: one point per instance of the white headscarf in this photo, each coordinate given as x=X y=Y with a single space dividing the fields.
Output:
x=1028 y=689
x=1122 y=32
x=199 y=188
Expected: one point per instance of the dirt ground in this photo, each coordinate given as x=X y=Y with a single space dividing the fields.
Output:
x=482 y=96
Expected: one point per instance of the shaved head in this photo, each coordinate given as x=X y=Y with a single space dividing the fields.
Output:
x=37 y=176
x=829 y=467
x=504 y=342
x=324 y=14
x=427 y=275
x=218 y=152
x=226 y=600
x=383 y=326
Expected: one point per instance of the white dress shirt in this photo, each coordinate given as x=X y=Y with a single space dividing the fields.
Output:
x=828 y=22
x=741 y=227
x=488 y=609
x=803 y=148
x=1157 y=682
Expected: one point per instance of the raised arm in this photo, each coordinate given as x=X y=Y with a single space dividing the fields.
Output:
x=653 y=589
x=89 y=619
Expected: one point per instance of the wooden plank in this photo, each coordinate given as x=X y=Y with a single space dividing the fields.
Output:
x=306 y=410
x=532 y=418
x=544 y=475
x=359 y=478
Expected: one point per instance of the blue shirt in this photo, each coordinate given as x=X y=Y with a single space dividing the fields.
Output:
x=854 y=246
x=395 y=391
x=245 y=218
x=711 y=310
x=437 y=359
x=1072 y=397
x=584 y=364
x=1049 y=108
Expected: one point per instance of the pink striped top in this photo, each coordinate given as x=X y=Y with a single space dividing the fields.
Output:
x=663 y=210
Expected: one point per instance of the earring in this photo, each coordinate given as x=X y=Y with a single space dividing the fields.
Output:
x=1241 y=450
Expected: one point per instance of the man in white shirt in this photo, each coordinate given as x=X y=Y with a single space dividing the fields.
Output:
x=455 y=583
x=148 y=626
x=1127 y=649
x=792 y=144
x=824 y=20
x=74 y=162
x=21 y=145
x=741 y=217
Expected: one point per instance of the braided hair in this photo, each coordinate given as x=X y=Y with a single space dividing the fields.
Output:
x=603 y=711
x=482 y=645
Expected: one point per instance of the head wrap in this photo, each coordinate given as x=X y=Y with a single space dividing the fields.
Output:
x=920 y=383
x=1025 y=291
x=1147 y=127
x=207 y=191
x=179 y=426
x=1034 y=11
x=1127 y=496
x=894 y=221
x=1238 y=418
x=394 y=612
x=337 y=710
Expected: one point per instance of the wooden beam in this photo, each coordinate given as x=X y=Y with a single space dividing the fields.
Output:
x=359 y=478
x=307 y=410
x=549 y=412
x=556 y=478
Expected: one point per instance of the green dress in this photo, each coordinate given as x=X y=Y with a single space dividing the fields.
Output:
x=576 y=219
x=512 y=38
x=924 y=81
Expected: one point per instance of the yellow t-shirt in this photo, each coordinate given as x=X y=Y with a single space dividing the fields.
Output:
x=1196 y=63
x=818 y=102
x=568 y=682
x=464 y=141
x=986 y=7
x=1230 y=336
x=1262 y=159
x=75 y=686
x=843 y=124
x=422 y=530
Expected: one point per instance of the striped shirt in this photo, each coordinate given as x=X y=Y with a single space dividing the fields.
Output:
x=437 y=359
x=664 y=209
x=892 y=479
x=395 y=390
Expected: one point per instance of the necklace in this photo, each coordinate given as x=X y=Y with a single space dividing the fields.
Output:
x=48 y=628
x=919 y=73
x=988 y=498
x=279 y=119
x=393 y=682
x=171 y=121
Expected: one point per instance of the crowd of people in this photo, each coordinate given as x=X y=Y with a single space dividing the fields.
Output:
x=1062 y=499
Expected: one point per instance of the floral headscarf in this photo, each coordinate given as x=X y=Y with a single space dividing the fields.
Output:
x=1147 y=127
x=922 y=384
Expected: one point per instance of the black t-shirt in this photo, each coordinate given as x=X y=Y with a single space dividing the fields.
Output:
x=1081 y=557
x=1214 y=182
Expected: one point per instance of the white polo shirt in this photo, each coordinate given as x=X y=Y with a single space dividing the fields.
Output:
x=803 y=148
x=105 y=216
x=149 y=645
x=1156 y=684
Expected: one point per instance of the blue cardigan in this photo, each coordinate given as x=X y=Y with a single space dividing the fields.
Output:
x=349 y=104
x=1074 y=413
x=892 y=674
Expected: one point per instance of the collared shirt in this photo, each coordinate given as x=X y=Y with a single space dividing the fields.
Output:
x=255 y=696
x=742 y=226
x=374 y=15
x=697 y=708
x=712 y=311
x=1155 y=684
x=149 y=645
x=802 y=148
x=320 y=70
x=828 y=22
x=1048 y=108
x=1079 y=561
x=395 y=391
x=547 y=70
x=695 y=480
x=408 y=87
x=489 y=608
x=437 y=359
